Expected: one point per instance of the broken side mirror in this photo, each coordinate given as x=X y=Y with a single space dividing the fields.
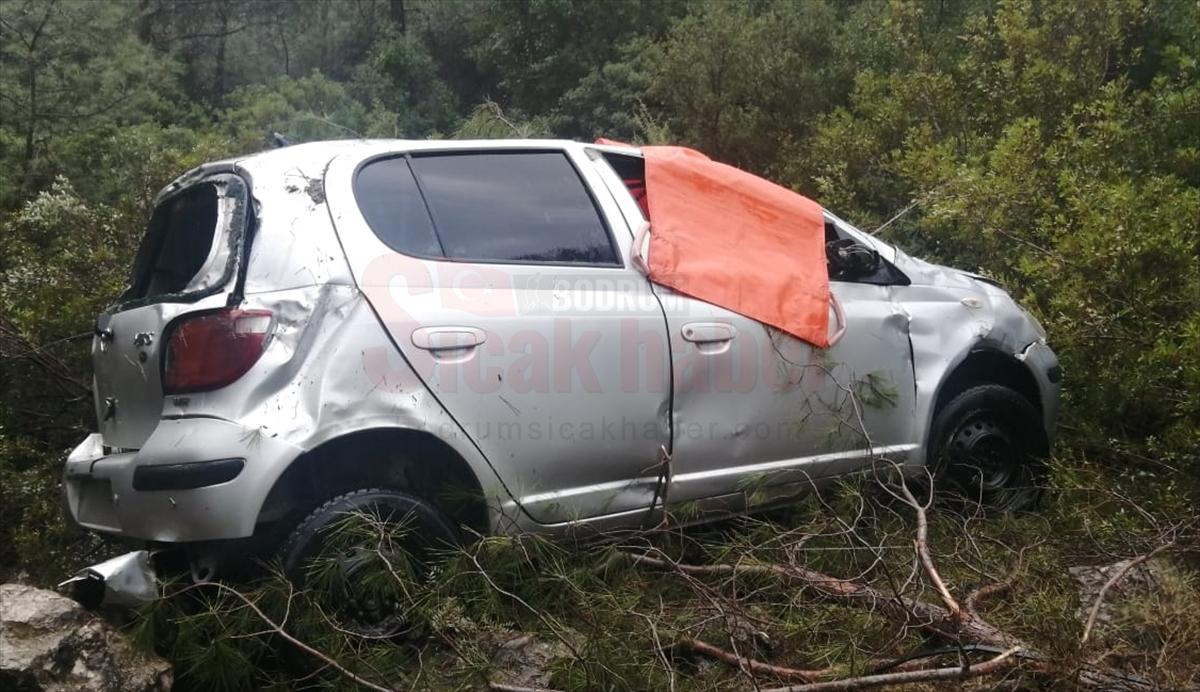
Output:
x=849 y=260
x=870 y=262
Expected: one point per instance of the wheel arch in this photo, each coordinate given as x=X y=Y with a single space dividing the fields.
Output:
x=987 y=365
x=414 y=461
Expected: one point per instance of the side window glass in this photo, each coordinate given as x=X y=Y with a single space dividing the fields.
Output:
x=391 y=203
x=513 y=207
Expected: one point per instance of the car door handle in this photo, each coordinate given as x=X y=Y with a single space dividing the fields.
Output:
x=447 y=338
x=708 y=332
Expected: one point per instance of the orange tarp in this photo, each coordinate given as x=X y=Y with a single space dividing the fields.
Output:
x=735 y=240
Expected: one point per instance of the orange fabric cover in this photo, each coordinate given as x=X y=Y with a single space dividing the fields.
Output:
x=735 y=240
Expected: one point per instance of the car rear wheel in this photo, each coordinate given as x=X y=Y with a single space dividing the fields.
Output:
x=360 y=550
x=986 y=447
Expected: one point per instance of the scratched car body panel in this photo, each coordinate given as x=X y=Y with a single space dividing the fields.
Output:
x=567 y=389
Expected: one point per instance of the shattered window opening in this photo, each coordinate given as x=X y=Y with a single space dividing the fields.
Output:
x=191 y=244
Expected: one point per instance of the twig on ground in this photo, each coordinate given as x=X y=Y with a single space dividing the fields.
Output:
x=921 y=544
x=749 y=664
x=504 y=687
x=659 y=648
x=973 y=599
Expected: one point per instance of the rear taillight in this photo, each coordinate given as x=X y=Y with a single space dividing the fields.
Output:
x=214 y=349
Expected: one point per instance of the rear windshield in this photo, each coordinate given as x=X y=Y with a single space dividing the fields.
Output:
x=186 y=246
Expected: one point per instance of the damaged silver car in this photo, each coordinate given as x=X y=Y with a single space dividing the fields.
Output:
x=462 y=334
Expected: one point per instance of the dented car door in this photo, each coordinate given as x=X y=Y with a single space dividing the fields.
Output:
x=757 y=410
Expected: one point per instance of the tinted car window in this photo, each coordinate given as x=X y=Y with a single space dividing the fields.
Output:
x=389 y=200
x=513 y=207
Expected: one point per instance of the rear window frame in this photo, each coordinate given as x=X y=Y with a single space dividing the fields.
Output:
x=230 y=186
x=618 y=258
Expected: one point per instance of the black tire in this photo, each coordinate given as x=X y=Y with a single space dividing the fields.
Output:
x=421 y=528
x=987 y=448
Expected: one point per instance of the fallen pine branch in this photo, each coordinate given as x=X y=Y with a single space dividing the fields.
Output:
x=921 y=544
x=931 y=617
x=966 y=628
x=277 y=628
x=910 y=663
x=987 y=591
x=1001 y=663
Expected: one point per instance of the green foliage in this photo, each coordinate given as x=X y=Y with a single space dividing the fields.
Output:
x=740 y=81
x=538 y=51
x=55 y=245
x=1040 y=151
x=488 y=121
x=65 y=68
x=400 y=77
x=306 y=108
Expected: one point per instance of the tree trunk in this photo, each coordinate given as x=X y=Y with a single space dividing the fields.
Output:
x=27 y=160
x=145 y=20
x=219 y=76
x=31 y=128
x=398 y=15
x=283 y=42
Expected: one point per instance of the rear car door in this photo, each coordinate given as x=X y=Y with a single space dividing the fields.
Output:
x=186 y=263
x=499 y=277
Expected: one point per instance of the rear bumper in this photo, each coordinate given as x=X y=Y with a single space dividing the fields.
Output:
x=195 y=479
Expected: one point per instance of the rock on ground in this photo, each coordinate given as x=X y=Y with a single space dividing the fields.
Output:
x=48 y=642
x=524 y=661
x=1090 y=579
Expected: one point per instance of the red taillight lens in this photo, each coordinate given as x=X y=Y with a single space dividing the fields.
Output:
x=214 y=349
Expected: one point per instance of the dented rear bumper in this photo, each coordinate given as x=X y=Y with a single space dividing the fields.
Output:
x=195 y=479
x=127 y=580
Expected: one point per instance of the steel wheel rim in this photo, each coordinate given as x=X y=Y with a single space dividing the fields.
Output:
x=983 y=455
x=365 y=612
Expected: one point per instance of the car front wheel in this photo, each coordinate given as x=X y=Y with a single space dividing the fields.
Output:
x=987 y=448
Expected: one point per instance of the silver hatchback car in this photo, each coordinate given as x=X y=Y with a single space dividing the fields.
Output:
x=459 y=332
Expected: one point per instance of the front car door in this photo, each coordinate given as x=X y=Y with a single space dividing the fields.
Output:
x=757 y=410
x=504 y=282
x=758 y=413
